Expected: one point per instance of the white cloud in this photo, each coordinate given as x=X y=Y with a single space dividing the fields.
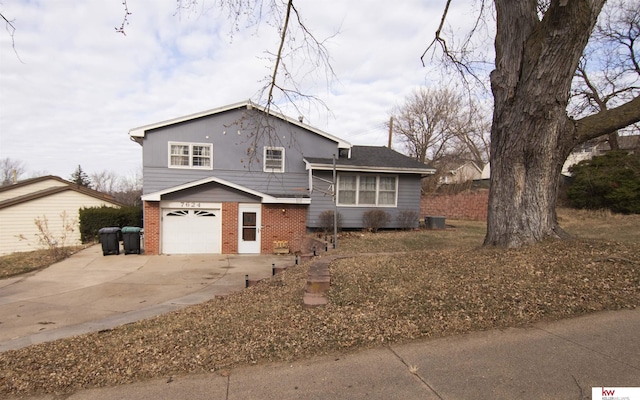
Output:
x=82 y=86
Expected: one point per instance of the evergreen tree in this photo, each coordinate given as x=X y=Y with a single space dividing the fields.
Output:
x=80 y=178
x=610 y=181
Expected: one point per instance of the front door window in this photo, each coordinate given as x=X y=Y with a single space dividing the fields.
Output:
x=249 y=226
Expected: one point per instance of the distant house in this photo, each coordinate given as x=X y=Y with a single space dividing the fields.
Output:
x=588 y=150
x=238 y=178
x=46 y=197
x=592 y=148
x=630 y=144
x=461 y=172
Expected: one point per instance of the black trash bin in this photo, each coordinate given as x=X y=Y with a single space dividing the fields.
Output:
x=131 y=239
x=110 y=240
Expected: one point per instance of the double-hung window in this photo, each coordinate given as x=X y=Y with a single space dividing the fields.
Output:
x=191 y=155
x=367 y=190
x=273 y=159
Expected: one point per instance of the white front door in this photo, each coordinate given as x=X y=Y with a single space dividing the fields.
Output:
x=249 y=228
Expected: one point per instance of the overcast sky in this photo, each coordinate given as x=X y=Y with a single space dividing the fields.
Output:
x=76 y=86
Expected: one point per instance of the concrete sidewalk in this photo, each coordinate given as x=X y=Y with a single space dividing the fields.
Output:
x=89 y=292
x=559 y=360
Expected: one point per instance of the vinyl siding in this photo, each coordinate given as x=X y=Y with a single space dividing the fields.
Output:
x=230 y=152
x=32 y=188
x=20 y=220
x=211 y=193
x=408 y=199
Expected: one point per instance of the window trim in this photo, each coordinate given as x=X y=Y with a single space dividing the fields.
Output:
x=264 y=160
x=191 y=155
x=357 y=190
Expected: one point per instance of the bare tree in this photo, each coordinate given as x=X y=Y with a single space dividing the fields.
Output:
x=609 y=71
x=129 y=189
x=532 y=134
x=538 y=46
x=105 y=181
x=441 y=127
x=11 y=171
x=125 y=189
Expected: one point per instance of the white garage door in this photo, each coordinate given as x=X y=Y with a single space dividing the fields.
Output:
x=191 y=231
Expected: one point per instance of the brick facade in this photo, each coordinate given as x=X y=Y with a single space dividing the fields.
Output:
x=279 y=222
x=283 y=222
x=152 y=227
x=229 y=228
x=468 y=205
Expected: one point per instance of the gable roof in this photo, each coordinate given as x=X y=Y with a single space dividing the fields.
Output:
x=137 y=134
x=27 y=182
x=371 y=159
x=266 y=198
x=52 y=190
x=460 y=165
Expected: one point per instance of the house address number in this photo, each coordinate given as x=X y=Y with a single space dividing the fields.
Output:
x=189 y=204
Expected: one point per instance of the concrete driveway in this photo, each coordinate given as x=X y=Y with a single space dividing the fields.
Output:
x=89 y=292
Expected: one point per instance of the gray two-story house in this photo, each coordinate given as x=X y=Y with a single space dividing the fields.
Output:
x=238 y=178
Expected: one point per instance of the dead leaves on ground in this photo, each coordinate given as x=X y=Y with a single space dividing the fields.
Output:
x=373 y=300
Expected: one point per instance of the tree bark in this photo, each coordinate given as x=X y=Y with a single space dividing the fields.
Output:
x=531 y=134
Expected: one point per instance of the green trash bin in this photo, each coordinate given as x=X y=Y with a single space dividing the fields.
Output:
x=110 y=240
x=131 y=239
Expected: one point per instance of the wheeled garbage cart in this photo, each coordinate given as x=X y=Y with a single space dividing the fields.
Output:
x=131 y=239
x=110 y=240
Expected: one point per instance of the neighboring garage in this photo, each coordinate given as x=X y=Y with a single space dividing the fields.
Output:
x=191 y=230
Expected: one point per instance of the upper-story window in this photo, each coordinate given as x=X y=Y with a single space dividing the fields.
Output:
x=367 y=190
x=191 y=155
x=273 y=159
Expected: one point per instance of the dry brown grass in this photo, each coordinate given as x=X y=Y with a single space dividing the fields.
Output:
x=600 y=224
x=429 y=288
x=29 y=261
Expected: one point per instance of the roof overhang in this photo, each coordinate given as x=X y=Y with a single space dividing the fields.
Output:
x=137 y=134
x=364 y=168
x=266 y=198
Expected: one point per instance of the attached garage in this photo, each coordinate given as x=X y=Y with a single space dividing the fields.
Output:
x=214 y=216
x=191 y=230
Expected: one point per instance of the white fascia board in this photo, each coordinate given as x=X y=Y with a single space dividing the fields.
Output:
x=139 y=132
x=355 y=168
x=157 y=196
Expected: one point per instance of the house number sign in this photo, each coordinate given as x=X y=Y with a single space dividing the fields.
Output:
x=190 y=205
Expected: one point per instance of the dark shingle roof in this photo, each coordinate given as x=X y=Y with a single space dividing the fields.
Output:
x=373 y=157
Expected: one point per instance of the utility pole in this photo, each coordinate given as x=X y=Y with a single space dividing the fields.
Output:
x=390 y=130
x=335 y=207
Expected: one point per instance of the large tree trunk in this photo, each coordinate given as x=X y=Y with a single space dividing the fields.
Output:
x=531 y=134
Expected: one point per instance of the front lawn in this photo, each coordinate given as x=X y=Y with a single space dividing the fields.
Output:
x=429 y=284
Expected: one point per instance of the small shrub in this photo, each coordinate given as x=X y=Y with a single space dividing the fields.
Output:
x=54 y=243
x=326 y=221
x=408 y=219
x=373 y=220
x=94 y=218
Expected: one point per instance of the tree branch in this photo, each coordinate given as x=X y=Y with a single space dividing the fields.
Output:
x=607 y=121
x=272 y=85
x=11 y=29
x=125 y=19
